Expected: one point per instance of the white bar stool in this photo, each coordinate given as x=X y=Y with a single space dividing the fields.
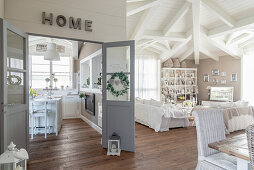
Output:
x=39 y=109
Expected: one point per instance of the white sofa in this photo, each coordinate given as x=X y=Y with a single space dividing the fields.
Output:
x=159 y=116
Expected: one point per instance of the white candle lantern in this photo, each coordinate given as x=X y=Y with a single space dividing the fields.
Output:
x=14 y=159
x=114 y=145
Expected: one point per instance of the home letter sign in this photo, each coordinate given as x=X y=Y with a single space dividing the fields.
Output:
x=61 y=21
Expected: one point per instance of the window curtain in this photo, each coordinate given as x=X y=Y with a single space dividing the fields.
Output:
x=248 y=79
x=147 y=77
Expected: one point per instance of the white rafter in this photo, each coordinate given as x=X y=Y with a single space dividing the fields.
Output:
x=221 y=45
x=208 y=53
x=175 y=49
x=186 y=54
x=142 y=43
x=134 y=8
x=153 y=50
x=177 y=18
x=242 y=38
x=221 y=14
x=158 y=35
x=149 y=44
x=248 y=42
x=138 y=31
x=159 y=47
x=240 y=25
x=196 y=29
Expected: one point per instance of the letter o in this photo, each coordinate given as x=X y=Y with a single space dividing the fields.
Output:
x=61 y=20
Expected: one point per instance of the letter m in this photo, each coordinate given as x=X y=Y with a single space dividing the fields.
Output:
x=75 y=24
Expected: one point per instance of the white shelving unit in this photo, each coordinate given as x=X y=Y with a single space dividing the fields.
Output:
x=179 y=84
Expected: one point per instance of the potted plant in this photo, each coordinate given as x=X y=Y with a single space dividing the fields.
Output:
x=88 y=81
x=47 y=82
x=82 y=96
x=55 y=80
x=99 y=81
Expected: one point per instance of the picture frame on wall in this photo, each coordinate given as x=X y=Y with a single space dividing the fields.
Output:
x=223 y=81
x=206 y=77
x=215 y=72
x=233 y=77
x=223 y=74
x=215 y=81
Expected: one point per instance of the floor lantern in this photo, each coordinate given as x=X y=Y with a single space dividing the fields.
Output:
x=114 y=145
x=13 y=158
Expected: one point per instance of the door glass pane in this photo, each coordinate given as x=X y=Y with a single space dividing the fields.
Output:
x=15 y=50
x=117 y=88
x=15 y=88
x=118 y=59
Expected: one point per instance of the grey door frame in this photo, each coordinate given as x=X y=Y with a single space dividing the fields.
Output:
x=130 y=104
x=4 y=26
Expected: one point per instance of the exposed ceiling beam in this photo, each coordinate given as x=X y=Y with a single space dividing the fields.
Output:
x=175 y=49
x=185 y=8
x=209 y=54
x=239 y=25
x=153 y=50
x=165 y=44
x=159 y=47
x=241 y=39
x=248 y=42
x=158 y=35
x=142 y=43
x=186 y=54
x=232 y=36
x=196 y=29
x=221 y=45
x=220 y=13
x=149 y=44
x=138 y=31
x=134 y=8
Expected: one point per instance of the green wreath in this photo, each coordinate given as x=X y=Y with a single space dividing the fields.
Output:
x=124 y=80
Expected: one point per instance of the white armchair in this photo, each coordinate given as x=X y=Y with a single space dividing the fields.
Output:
x=211 y=128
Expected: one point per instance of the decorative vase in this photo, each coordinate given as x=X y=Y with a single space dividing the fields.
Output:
x=183 y=64
x=176 y=63
x=168 y=63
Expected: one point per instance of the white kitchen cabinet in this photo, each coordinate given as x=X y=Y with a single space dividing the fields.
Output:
x=71 y=106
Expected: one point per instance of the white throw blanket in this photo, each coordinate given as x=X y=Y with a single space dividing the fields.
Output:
x=153 y=116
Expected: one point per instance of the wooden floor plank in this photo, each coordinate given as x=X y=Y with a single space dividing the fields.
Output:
x=78 y=146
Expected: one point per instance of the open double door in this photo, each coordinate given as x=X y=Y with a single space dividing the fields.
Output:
x=118 y=112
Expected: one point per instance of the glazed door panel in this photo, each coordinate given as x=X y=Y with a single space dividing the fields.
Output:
x=14 y=86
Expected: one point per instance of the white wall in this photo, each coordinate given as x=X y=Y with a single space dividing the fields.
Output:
x=1 y=8
x=108 y=16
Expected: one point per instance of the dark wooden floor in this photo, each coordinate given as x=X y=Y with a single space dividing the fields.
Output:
x=78 y=147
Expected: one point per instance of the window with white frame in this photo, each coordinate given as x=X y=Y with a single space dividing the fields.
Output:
x=41 y=70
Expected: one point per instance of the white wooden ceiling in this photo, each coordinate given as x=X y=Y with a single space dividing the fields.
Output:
x=191 y=28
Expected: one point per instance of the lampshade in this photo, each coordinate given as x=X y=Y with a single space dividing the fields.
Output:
x=51 y=53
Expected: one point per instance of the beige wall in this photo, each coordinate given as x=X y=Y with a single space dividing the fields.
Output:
x=225 y=64
x=1 y=8
x=109 y=17
x=86 y=50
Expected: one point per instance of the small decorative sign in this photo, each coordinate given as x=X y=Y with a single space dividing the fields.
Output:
x=43 y=48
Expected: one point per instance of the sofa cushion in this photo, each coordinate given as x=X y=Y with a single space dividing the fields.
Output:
x=139 y=100
x=223 y=160
x=145 y=101
x=156 y=103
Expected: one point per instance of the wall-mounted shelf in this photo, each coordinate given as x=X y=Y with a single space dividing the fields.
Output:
x=179 y=84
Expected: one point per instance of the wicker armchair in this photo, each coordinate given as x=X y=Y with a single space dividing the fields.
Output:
x=210 y=128
x=250 y=137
